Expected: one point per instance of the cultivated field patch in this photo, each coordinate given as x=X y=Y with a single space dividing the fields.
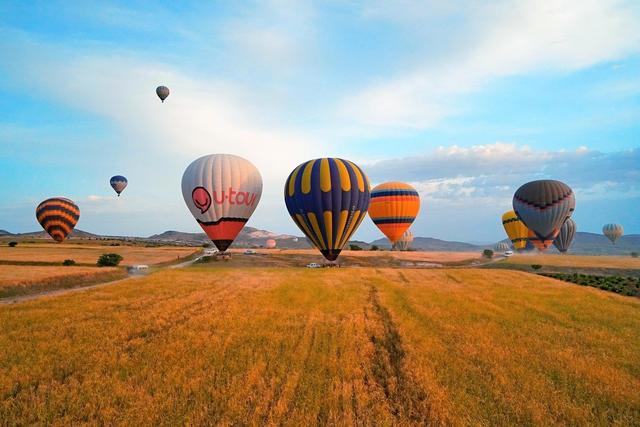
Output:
x=341 y=346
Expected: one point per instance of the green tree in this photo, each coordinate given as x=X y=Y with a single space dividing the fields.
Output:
x=109 y=260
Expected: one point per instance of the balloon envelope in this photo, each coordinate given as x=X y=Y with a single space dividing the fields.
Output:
x=221 y=191
x=501 y=247
x=404 y=242
x=516 y=231
x=270 y=243
x=118 y=183
x=162 y=92
x=327 y=199
x=566 y=235
x=58 y=216
x=543 y=206
x=393 y=208
x=613 y=232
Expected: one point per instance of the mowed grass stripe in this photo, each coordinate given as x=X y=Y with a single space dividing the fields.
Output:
x=301 y=347
x=500 y=348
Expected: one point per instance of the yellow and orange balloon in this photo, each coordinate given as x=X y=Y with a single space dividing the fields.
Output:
x=516 y=230
x=393 y=208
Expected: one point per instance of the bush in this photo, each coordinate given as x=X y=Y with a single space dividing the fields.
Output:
x=487 y=253
x=13 y=244
x=634 y=254
x=109 y=260
x=355 y=248
x=374 y=248
x=68 y=262
x=536 y=266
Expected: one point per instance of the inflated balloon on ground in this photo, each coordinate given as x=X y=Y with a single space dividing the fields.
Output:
x=516 y=231
x=543 y=206
x=566 y=235
x=221 y=191
x=393 y=208
x=327 y=199
x=404 y=242
x=58 y=216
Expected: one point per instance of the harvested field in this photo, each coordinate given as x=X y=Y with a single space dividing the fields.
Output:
x=577 y=261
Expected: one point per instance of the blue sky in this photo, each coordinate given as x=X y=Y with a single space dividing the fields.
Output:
x=465 y=100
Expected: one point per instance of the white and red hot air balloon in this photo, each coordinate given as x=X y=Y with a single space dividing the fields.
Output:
x=221 y=191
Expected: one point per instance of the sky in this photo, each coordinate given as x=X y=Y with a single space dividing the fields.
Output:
x=465 y=100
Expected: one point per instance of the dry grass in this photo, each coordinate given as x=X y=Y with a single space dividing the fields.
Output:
x=89 y=253
x=301 y=347
x=577 y=261
x=22 y=280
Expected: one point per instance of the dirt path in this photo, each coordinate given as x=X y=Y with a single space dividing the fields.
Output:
x=56 y=292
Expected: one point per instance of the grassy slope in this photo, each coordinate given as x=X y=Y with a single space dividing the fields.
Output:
x=302 y=346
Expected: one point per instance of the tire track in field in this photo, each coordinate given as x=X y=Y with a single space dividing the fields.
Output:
x=407 y=400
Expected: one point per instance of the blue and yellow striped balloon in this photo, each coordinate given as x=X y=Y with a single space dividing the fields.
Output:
x=327 y=199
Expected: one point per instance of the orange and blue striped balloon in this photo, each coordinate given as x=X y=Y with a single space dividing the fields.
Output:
x=58 y=216
x=394 y=206
x=327 y=199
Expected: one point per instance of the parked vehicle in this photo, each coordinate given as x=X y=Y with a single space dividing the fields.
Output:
x=314 y=265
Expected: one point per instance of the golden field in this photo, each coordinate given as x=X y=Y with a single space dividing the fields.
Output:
x=28 y=279
x=343 y=346
x=87 y=253
x=577 y=261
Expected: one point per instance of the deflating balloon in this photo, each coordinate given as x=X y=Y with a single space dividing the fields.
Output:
x=270 y=244
x=393 y=208
x=501 y=247
x=516 y=231
x=613 y=232
x=58 y=216
x=543 y=206
x=221 y=191
x=118 y=183
x=162 y=92
x=404 y=242
x=327 y=199
x=565 y=237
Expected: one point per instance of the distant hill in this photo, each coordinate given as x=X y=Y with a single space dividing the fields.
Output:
x=584 y=243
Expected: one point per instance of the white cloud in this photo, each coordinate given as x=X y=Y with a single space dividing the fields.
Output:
x=499 y=39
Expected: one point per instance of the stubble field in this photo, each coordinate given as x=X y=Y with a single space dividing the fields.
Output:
x=206 y=345
x=577 y=261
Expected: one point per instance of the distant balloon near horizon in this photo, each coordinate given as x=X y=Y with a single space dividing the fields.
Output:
x=162 y=92
x=393 y=208
x=221 y=191
x=613 y=232
x=327 y=199
x=543 y=206
x=501 y=247
x=516 y=231
x=404 y=242
x=270 y=244
x=58 y=216
x=118 y=183
x=566 y=235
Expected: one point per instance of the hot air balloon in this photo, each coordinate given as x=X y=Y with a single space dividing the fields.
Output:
x=118 y=183
x=565 y=237
x=270 y=244
x=327 y=199
x=393 y=208
x=516 y=231
x=404 y=242
x=221 y=191
x=543 y=206
x=58 y=216
x=501 y=247
x=613 y=232
x=162 y=92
